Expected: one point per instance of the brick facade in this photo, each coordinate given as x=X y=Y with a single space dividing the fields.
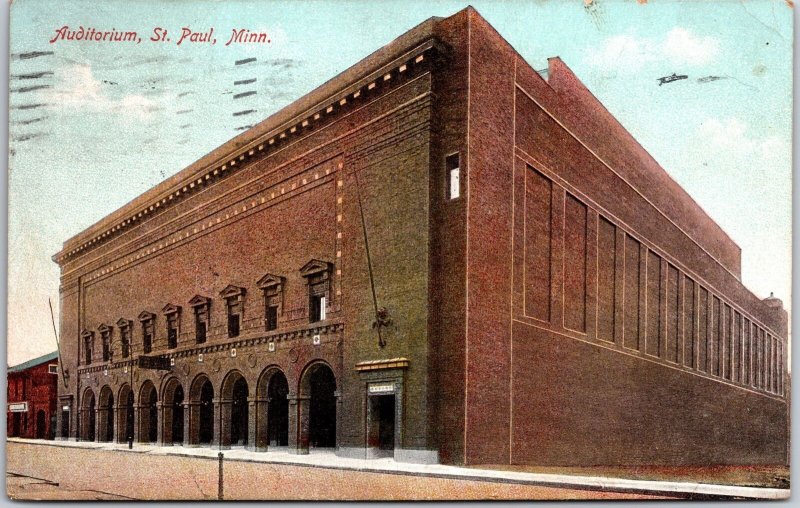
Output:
x=31 y=400
x=428 y=256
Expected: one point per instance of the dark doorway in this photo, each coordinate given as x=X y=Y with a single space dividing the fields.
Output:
x=239 y=413
x=322 y=410
x=177 y=416
x=152 y=429
x=90 y=431
x=64 y=424
x=129 y=417
x=278 y=411
x=206 y=413
x=41 y=424
x=110 y=418
x=15 y=424
x=383 y=414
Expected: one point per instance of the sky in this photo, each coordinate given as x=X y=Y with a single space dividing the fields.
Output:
x=92 y=125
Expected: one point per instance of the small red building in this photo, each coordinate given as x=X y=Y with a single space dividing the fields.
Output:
x=32 y=388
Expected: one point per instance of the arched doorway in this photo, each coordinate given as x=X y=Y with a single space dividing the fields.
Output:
x=106 y=413
x=148 y=413
x=41 y=424
x=201 y=411
x=318 y=399
x=89 y=421
x=235 y=410
x=173 y=413
x=278 y=410
x=125 y=414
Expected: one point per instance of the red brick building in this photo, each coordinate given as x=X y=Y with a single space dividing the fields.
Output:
x=32 y=391
x=440 y=255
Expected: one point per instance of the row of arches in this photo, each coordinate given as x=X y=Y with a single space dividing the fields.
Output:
x=233 y=415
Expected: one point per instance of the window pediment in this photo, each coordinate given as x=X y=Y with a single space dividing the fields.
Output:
x=146 y=316
x=232 y=291
x=269 y=281
x=124 y=323
x=316 y=267
x=86 y=334
x=104 y=328
x=171 y=309
x=200 y=301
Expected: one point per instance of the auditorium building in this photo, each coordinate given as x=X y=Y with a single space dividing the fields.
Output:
x=439 y=255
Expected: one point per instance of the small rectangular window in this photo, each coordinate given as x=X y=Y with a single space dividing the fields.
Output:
x=271 y=317
x=52 y=369
x=453 y=176
x=147 y=337
x=234 y=317
x=172 y=331
x=200 y=323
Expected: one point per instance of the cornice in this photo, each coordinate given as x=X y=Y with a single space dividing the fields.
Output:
x=258 y=142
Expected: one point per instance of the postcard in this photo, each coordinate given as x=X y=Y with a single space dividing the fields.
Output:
x=346 y=250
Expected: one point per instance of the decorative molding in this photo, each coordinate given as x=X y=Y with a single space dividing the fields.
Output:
x=269 y=281
x=146 y=316
x=392 y=363
x=124 y=323
x=171 y=309
x=316 y=267
x=200 y=301
x=232 y=291
x=269 y=141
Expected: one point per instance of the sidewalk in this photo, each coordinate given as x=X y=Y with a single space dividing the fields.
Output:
x=328 y=460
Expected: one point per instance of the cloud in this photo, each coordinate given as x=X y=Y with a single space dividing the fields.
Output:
x=77 y=89
x=730 y=136
x=681 y=46
x=630 y=53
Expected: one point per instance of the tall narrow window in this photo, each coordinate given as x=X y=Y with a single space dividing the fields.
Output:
x=88 y=339
x=148 y=331
x=453 y=176
x=125 y=327
x=272 y=286
x=105 y=335
x=173 y=315
x=147 y=335
x=317 y=274
x=234 y=303
x=201 y=306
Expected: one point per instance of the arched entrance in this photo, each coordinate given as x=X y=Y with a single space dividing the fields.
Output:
x=278 y=410
x=235 y=410
x=272 y=409
x=201 y=411
x=173 y=413
x=41 y=424
x=148 y=413
x=88 y=416
x=125 y=414
x=106 y=414
x=317 y=406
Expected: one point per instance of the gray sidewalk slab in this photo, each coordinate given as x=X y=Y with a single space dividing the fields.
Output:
x=328 y=460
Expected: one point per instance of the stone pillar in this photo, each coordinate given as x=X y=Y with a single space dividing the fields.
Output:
x=119 y=424
x=96 y=424
x=138 y=431
x=191 y=424
x=339 y=402
x=261 y=425
x=161 y=423
x=299 y=408
x=251 y=424
x=222 y=423
x=80 y=425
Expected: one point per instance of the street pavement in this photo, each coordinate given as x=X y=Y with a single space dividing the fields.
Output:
x=68 y=470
